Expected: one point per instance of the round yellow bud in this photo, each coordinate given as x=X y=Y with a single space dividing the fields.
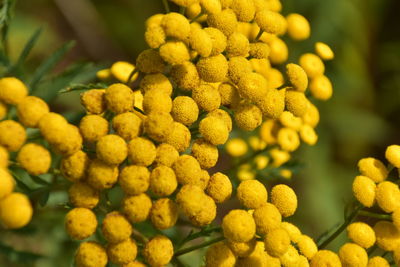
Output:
x=185 y=76
x=7 y=183
x=248 y=117
x=112 y=149
x=158 y=125
x=353 y=255
x=127 y=125
x=293 y=231
x=308 y=135
x=163 y=181
x=214 y=130
x=12 y=90
x=296 y=102
x=285 y=199
x=218 y=40
x=3 y=110
x=122 y=70
x=225 y=21
x=252 y=86
x=101 y=175
x=205 y=153
x=93 y=101
x=223 y=115
x=373 y=168
x=201 y=42
x=388 y=196
x=12 y=135
x=272 y=104
x=259 y=50
x=155 y=36
x=174 y=52
x=288 y=139
x=324 y=51
x=176 y=26
x=206 y=97
x=244 y=9
x=252 y=194
x=238 y=226
x=237 y=45
x=288 y=120
x=325 y=258
x=34 y=158
x=271 y=22
x=307 y=246
x=361 y=234
x=134 y=264
x=387 y=235
x=213 y=69
x=242 y=249
x=119 y=98
x=116 y=228
x=166 y=155
x=93 y=127
x=184 y=110
x=150 y=61
x=236 y=147
x=141 y=151
x=164 y=213
x=80 y=223
x=297 y=77
x=219 y=187
x=15 y=211
x=158 y=251
x=156 y=81
x=237 y=67
x=123 y=252
x=30 y=110
x=392 y=155
x=187 y=170
x=83 y=196
x=312 y=65
x=321 y=87
x=179 y=137
x=134 y=180
x=91 y=254
x=137 y=208
x=219 y=254
x=364 y=190
x=279 y=51
x=267 y=218
x=298 y=27
x=277 y=242
x=74 y=167
x=378 y=261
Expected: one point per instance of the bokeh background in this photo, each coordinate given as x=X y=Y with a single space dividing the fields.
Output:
x=361 y=119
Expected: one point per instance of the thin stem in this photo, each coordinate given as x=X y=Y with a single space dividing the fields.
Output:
x=182 y=10
x=375 y=215
x=202 y=245
x=259 y=35
x=131 y=75
x=166 y=6
x=202 y=233
x=197 y=17
x=349 y=219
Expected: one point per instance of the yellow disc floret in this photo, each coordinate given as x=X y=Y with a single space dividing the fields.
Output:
x=34 y=158
x=80 y=223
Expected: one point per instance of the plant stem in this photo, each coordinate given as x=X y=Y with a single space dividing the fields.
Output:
x=195 y=247
x=375 y=215
x=259 y=35
x=166 y=6
x=349 y=219
x=182 y=10
x=197 y=17
x=201 y=233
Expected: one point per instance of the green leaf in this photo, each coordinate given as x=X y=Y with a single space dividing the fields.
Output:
x=82 y=87
x=39 y=180
x=41 y=195
x=25 y=52
x=49 y=64
x=20 y=184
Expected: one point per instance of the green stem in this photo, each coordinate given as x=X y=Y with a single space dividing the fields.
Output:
x=344 y=225
x=199 y=234
x=375 y=215
x=259 y=35
x=202 y=245
x=182 y=10
x=131 y=75
x=166 y=6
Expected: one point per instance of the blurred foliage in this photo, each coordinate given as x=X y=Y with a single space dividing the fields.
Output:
x=360 y=120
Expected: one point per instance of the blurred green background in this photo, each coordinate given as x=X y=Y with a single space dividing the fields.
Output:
x=361 y=119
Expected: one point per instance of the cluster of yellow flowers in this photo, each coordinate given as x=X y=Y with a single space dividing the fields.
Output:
x=375 y=186
x=15 y=208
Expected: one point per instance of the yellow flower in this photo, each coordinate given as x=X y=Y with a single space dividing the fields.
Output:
x=364 y=190
x=219 y=187
x=214 y=130
x=312 y=65
x=34 y=158
x=111 y=149
x=80 y=223
x=373 y=168
x=238 y=226
x=127 y=125
x=307 y=246
x=388 y=196
x=12 y=135
x=252 y=194
x=134 y=180
x=297 y=77
x=141 y=151
x=119 y=98
x=248 y=116
x=353 y=255
x=267 y=218
x=116 y=228
x=206 y=97
x=158 y=251
x=137 y=208
x=325 y=258
x=164 y=213
x=7 y=183
x=101 y=176
x=213 y=69
x=12 y=90
x=362 y=234
x=225 y=21
x=271 y=22
x=122 y=70
x=176 y=25
x=285 y=199
x=166 y=155
x=205 y=153
x=30 y=110
x=392 y=154
x=15 y=211
x=91 y=254
x=219 y=254
x=74 y=167
x=321 y=87
x=163 y=181
x=324 y=51
x=298 y=27
x=174 y=52
x=236 y=147
x=123 y=252
x=83 y=196
x=93 y=127
x=387 y=235
x=277 y=242
x=93 y=101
